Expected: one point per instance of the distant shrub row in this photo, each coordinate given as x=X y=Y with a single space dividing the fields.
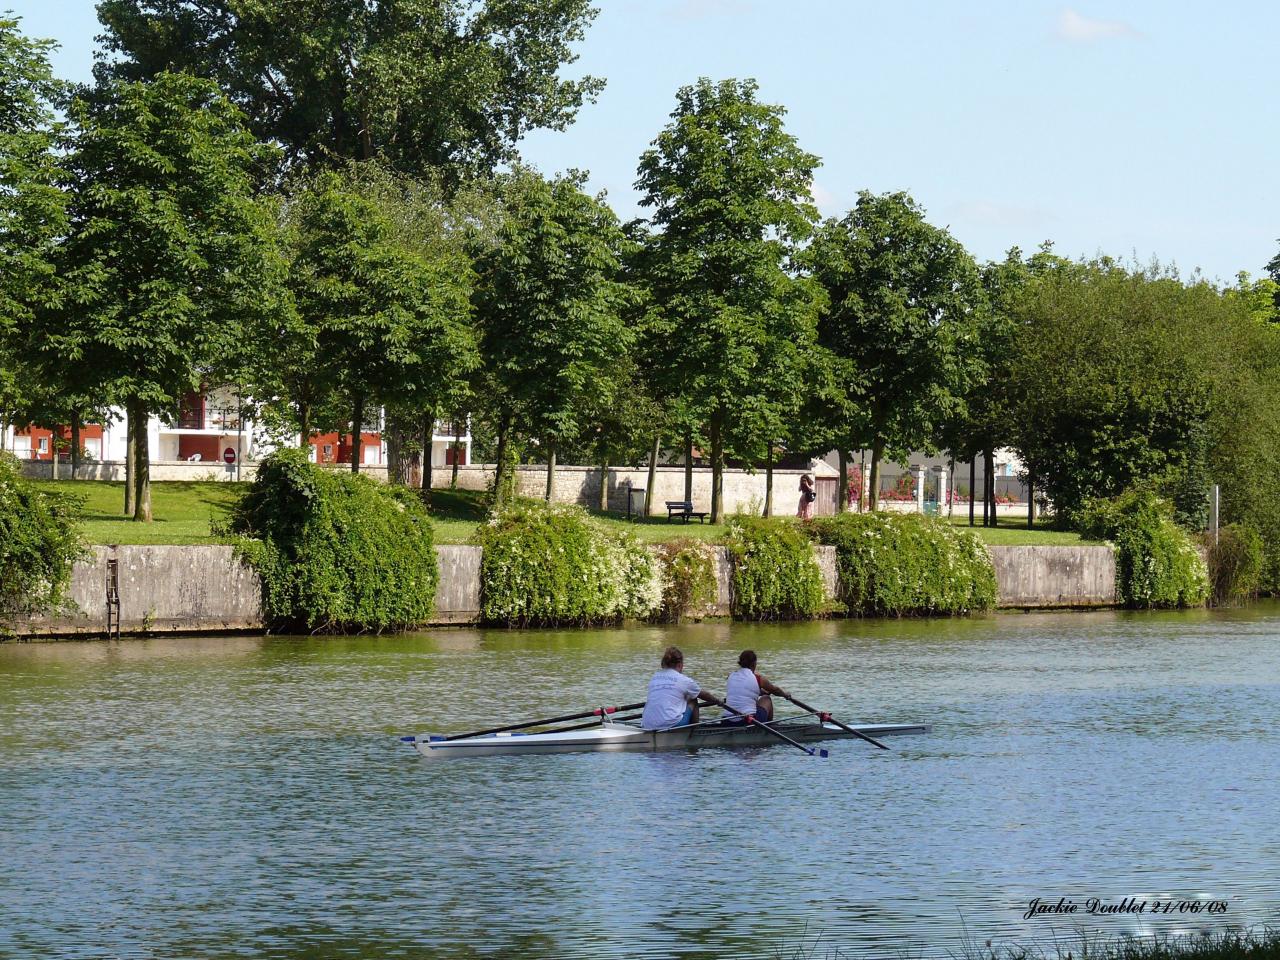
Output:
x=900 y=565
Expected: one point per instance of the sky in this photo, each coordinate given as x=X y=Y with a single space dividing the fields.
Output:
x=1134 y=129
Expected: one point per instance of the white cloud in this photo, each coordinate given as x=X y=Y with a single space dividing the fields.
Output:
x=1074 y=27
x=828 y=203
x=704 y=9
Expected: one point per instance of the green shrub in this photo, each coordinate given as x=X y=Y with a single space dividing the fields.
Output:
x=1157 y=565
x=688 y=579
x=900 y=565
x=1235 y=564
x=38 y=544
x=775 y=575
x=546 y=565
x=336 y=552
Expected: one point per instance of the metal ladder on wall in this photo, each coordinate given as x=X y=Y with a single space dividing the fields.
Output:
x=113 y=599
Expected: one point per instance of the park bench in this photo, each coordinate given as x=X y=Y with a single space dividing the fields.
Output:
x=683 y=509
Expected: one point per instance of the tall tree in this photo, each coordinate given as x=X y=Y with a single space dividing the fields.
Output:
x=905 y=297
x=729 y=190
x=550 y=307
x=422 y=84
x=32 y=206
x=1114 y=383
x=372 y=320
x=167 y=251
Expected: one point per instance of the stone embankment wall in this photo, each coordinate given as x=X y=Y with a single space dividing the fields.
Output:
x=199 y=589
x=1055 y=576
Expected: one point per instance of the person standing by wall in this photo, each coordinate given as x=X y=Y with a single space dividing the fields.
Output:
x=807 y=496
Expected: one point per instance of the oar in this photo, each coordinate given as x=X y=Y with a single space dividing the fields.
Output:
x=777 y=733
x=597 y=712
x=823 y=716
x=596 y=723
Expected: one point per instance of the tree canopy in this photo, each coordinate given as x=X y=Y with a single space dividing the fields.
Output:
x=730 y=193
x=423 y=84
x=167 y=251
x=904 y=302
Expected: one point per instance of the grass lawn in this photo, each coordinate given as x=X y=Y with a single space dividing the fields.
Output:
x=184 y=511
x=1013 y=532
x=181 y=510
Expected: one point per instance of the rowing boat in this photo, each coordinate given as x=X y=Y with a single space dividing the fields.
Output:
x=615 y=735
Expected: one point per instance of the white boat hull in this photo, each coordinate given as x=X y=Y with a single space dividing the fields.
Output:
x=611 y=736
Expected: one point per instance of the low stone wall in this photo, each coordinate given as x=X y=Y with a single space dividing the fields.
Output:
x=199 y=589
x=1055 y=576
x=162 y=589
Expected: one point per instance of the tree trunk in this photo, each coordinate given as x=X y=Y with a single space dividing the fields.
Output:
x=654 y=452
x=357 y=425
x=130 y=467
x=717 y=468
x=989 y=466
x=54 y=437
x=768 y=481
x=551 y=473
x=426 y=476
x=973 y=484
x=688 y=465
x=877 y=451
x=500 y=470
x=1031 y=500
x=604 y=485
x=951 y=484
x=457 y=446
x=304 y=425
x=75 y=444
x=141 y=466
x=843 y=492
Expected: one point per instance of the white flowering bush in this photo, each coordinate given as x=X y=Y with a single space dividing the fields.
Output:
x=775 y=574
x=907 y=565
x=547 y=565
x=1157 y=565
x=688 y=579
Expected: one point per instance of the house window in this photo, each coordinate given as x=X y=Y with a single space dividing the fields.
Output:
x=328 y=453
x=44 y=445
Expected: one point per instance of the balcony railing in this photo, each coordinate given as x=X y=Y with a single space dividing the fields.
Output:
x=213 y=418
x=446 y=428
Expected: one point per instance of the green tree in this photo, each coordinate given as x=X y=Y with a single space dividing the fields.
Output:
x=167 y=251
x=32 y=206
x=729 y=190
x=422 y=84
x=1113 y=383
x=371 y=319
x=550 y=306
x=904 y=301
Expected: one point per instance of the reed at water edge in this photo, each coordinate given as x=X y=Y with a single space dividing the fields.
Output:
x=1240 y=945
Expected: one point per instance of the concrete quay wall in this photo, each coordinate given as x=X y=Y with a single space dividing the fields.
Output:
x=201 y=589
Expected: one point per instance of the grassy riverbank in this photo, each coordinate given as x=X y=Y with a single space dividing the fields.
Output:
x=187 y=512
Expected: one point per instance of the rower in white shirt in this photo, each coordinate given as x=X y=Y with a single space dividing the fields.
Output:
x=673 y=698
x=748 y=693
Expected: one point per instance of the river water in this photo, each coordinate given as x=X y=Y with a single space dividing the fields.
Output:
x=247 y=796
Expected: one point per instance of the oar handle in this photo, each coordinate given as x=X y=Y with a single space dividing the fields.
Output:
x=776 y=732
x=824 y=716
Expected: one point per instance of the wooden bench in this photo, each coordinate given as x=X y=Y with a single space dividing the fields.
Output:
x=684 y=509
